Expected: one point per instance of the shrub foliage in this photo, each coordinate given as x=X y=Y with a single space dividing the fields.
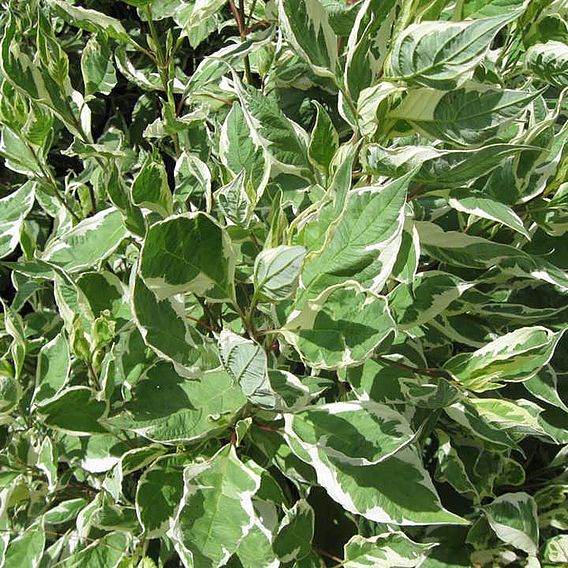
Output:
x=284 y=283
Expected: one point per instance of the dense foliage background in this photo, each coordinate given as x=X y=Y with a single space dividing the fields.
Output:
x=283 y=283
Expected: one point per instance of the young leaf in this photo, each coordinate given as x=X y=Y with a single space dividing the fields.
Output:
x=239 y=151
x=246 y=362
x=150 y=188
x=54 y=364
x=276 y=272
x=269 y=128
x=371 y=101
x=367 y=49
x=234 y=201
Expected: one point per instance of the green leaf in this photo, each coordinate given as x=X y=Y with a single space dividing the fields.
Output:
x=197 y=14
x=489 y=8
x=150 y=188
x=234 y=201
x=375 y=492
x=339 y=329
x=255 y=550
x=465 y=414
x=549 y=61
x=367 y=49
x=167 y=408
x=75 y=411
x=65 y=511
x=513 y=517
x=88 y=243
x=240 y=151
x=26 y=550
x=556 y=549
x=284 y=141
x=246 y=362
x=158 y=493
x=19 y=157
x=97 y=67
x=513 y=357
x=324 y=235
x=324 y=140
x=450 y=467
x=192 y=180
x=216 y=511
x=188 y=253
x=371 y=106
x=90 y=20
x=544 y=387
x=481 y=206
x=164 y=327
x=291 y=392
x=469 y=116
x=364 y=242
x=384 y=551
x=521 y=418
x=443 y=54
x=306 y=26
x=459 y=249
x=293 y=541
x=437 y=167
x=406 y=265
x=13 y=210
x=106 y=296
x=276 y=272
x=54 y=364
x=106 y=551
x=358 y=433
x=429 y=294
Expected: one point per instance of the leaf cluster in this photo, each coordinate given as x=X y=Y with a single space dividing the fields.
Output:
x=283 y=283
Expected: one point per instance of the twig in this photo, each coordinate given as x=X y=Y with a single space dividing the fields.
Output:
x=201 y=323
x=327 y=554
x=417 y=370
x=267 y=428
x=239 y=15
